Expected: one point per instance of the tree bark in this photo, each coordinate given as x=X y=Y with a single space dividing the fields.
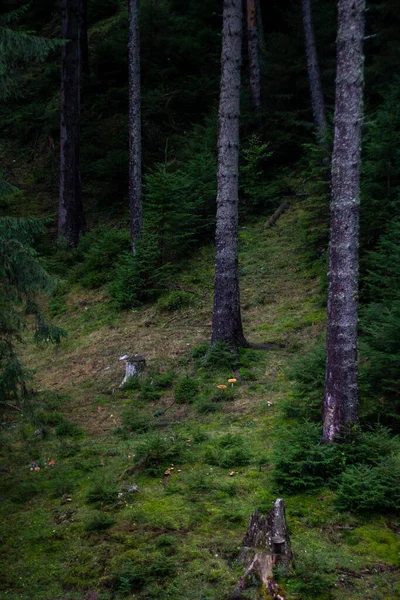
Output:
x=314 y=77
x=70 y=218
x=135 y=125
x=84 y=39
x=254 y=54
x=341 y=391
x=227 y=322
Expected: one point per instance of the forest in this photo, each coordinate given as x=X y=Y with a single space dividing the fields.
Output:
x=200 y=299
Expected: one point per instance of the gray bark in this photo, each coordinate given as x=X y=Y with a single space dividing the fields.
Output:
x=227 y=322
x=135 y=366
x=266 y=544
x=70 y=216
x=84 y=38
x=314 y=77
x=254 y=54
x=341 y=392
x=135 y=125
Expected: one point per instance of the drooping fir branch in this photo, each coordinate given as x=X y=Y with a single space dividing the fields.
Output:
x=18 y=47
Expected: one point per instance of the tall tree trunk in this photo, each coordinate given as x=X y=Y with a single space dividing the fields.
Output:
x=135 y=125
x=84 y=39
x=314 y=77
x=341 y=392
x=70 y=217
x=254 y=54
x=227 y=322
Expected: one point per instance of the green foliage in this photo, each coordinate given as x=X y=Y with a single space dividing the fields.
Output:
x=99 y=522
x=100 y=250
x=102 y=492
x=136 y=422
x=302 y=462
x=380 y=324
x=67 y=428
x=252 y=183
x=186 y=390
x=315 y=217
x=175 y=300
x=140 y=278
x=17 y=48
x=22 y=279
x=219 y=356
x=228 y=451
x=158 y=451
x=368 y=488
x=307 y=374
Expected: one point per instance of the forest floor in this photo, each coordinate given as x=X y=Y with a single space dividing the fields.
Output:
x=68 y=523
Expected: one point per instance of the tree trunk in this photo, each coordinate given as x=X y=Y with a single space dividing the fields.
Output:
x=84 y=39
x=341 y=393
x=227 y=322
x=70 y=218
x=254 y=54
x=314 y=77
x=135 y=125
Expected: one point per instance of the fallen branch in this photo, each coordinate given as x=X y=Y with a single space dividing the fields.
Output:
x=278 y=213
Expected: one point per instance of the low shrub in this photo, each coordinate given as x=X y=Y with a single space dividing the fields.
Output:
x=99 y=522
x=302 y=462
x=308 y=376
x=157 y=452
x=136 y=422
x=186 y=390
x=367 y=488
x=218 y=357
x=100 y=250
x=228 y=451
x=175 y=300
x=102 y=493
x=67 y=429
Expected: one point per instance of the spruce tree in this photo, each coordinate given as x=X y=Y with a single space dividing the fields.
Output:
x=227 y=322
x=22 y=277
x=341 y=385
x=70 y=213
x=135 y=125
x=314 y=77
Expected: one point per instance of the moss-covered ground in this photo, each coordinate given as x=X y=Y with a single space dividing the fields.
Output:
x=68 y=523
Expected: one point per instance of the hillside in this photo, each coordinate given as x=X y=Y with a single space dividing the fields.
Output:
x=64 y=471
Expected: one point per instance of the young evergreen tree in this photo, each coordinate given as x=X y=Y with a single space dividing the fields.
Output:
x=314 y=77
x=70 y=215
x=135 y=125
x=254 y=53
x=18 y=47
x=22 y=278
x=227 y=322
x=341 y=387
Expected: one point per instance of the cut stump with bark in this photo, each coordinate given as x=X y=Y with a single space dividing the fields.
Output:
x=265 y=545
x=135 y=365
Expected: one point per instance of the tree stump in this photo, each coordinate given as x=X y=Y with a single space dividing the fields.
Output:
x=265 y=544
x=135 y=365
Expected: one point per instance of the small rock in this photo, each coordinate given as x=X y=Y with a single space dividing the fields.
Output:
x=132 y=489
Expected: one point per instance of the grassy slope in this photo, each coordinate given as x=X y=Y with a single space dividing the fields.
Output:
x=177 y=537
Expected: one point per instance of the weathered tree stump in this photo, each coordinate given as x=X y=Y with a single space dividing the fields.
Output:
x=265 y=544
x=135 y=365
